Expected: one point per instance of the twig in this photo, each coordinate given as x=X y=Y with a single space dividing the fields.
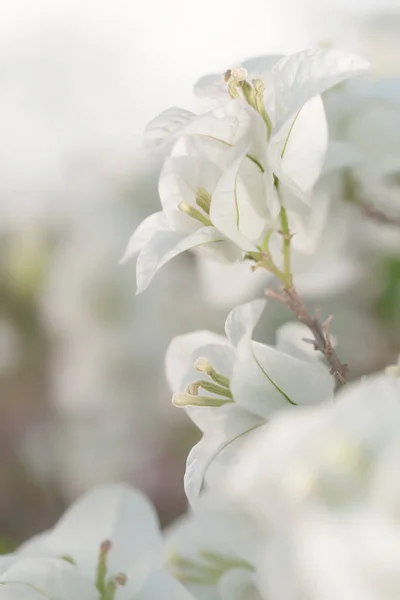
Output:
x=322 y=338
x=377 y=215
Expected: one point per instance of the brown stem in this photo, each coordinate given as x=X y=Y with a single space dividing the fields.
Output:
x=380 y=217
x=321 y=335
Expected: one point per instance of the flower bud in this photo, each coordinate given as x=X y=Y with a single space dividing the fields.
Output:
x=183 y=399
x=203 y=365
x=187 y=208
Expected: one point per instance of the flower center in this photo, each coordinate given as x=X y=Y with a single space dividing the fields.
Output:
x=207 y=569
x=252 y=92
x=203 y=201
x=107 y=585
x=219 y=386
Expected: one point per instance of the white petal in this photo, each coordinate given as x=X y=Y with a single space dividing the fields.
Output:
x=303 y=153
x=259 y=66
x=226 y=426
x=241 y=322
x=232 y=212
x=164 y=246
x=162 y=586
x=39 y=578
x=238 y=584
x=181 y=176
x=167 y=124
x=212 y=87
x=226 y=123
x=226 y=286
x=274 y=381
x=308 y=227
x=116 y=513
x=144 y=232
x=217 y=526
x=299 y=77
x=6 y=561
x=182 y=353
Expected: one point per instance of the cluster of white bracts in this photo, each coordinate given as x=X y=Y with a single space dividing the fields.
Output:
x=293 y=492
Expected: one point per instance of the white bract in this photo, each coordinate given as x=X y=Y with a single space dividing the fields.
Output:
x=324 y=454
x=325 y=482
x=231 y=386
x=232 y=169
x=213 y=552
x=331 y=267
x=106 y=546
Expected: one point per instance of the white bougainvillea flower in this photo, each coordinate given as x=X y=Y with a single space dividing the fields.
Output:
x=185 y=187
x=106 y=546
x=241 y=383
x=257 y=140
x=289 y=120
x=332 y=456
x=187 y=182
x=324 y=482
x=213 y=551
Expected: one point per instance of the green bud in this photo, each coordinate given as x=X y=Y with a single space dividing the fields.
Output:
x=234 y=78
x=232 y=89
x=203 y=365
x=68 y=559
x=101 y=572
x=183 y=399
x=259 y=104
x=248 y=93
x=208 y=386
x=194 y=213
x=203 y=199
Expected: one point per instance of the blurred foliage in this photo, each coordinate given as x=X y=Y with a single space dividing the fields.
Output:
x=389 y=301
x=6 y=545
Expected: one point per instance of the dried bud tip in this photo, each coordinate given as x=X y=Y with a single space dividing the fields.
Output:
x=105 y=547
x=120 y=579
x=227 y=75
x=203 y=365
x=239 y=74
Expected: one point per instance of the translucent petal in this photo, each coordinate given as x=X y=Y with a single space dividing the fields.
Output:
x=241 y=322
x=169 y=123
x=227 y=425
x=143 y=233
x=164 y=246
x=299 y=77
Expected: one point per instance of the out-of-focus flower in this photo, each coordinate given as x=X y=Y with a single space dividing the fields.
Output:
x=213 y=552
x=327 y=455
x=242 y=383
x=249 y=151
x=106 y=546
x=365 y=115
x=323 y=483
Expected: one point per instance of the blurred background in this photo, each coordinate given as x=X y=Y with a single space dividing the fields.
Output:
x=82 y=392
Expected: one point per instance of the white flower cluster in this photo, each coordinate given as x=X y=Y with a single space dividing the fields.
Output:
x=293 y=487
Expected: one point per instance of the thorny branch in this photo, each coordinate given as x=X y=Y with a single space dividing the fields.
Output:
x=322 y=338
